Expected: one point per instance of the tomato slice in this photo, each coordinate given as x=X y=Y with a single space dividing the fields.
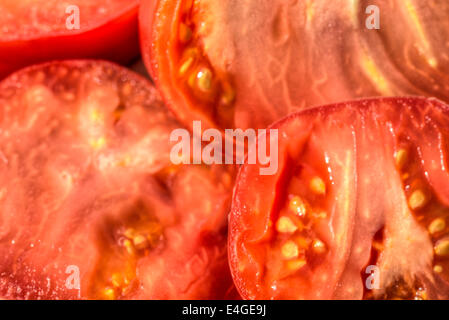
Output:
x=361 y=186
x=35 y=31
x=87 y=187
x=236 y=64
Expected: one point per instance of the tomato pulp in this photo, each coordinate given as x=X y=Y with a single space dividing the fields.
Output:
x=362 y=186
x=91 y=206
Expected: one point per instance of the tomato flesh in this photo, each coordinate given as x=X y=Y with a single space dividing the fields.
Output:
x=271 y=58
x=352 y=194
x=87 y=184
x=38 y=31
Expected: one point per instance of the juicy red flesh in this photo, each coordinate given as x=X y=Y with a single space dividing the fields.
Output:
x=373 y=208
x=87 y=183
x=285 y=56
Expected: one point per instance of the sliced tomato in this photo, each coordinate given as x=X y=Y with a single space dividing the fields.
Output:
x=87 y=188
x=34 y=31
x=245 y=64
x=360 y=196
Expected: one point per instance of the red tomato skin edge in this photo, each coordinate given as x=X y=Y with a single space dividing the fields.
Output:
x=131 y=75
x=116 y=40
x=149 y=43
x=147 y=14
x=238 y=198
x=153 y=48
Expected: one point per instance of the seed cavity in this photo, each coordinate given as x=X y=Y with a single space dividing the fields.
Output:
x=213 y=88
x=285 y=225
x=140 y=242
x=126 y=239
x=417 y=200
x=437 y=225
x=290 y=250
x=318 y=186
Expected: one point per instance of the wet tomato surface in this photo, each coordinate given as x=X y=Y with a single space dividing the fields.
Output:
x=361 y=186
x=87 y=187
x=34 y=31
x=246 y=64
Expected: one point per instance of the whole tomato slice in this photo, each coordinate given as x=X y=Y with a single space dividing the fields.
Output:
x=91 y=206
x=358 y=208
x=245 y=64
x=35 y=31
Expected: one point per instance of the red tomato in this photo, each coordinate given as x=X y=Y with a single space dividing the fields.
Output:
x=245 y=64
x=41 y=30
x=361 y=187
x=87 y=188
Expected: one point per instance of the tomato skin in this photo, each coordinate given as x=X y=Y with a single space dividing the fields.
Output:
x=188 y=262
x=256 y=198
x=285 y=57
x=147 y=14
x=114 y=40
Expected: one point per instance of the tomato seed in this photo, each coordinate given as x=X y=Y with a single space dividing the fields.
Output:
x=442 y=248
x=204 y=79
x=186 y=66
x=296 y=264
x=140 y=242
x=437 y=225
x=116 y=280
x=129 y=246
x=285 y=225
x=290 y=250
x=417 y=200
x=401 y=158
x=297 y=206
x=318 y=186
x=438 y=268
x=319 y=246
